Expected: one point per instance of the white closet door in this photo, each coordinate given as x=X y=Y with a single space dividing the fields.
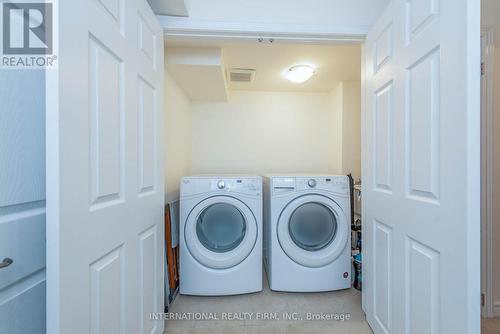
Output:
x=421 y=158
x=105 y=200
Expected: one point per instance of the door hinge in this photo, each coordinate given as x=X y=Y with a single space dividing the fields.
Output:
x=483 y=68
x=482 y=299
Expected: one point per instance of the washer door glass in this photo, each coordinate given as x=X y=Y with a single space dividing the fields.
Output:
x=312 y=226
x=221 y=227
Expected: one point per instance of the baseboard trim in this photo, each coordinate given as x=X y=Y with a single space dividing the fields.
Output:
x=496 y=310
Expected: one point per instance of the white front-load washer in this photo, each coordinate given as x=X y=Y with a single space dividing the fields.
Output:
x=307 y=245
x=220 y=235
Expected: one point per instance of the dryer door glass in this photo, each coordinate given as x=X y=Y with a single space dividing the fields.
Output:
x=221 y=227
x=312 y=226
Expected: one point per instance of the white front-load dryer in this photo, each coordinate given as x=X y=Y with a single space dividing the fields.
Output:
x=307 y=244
x=220 y=235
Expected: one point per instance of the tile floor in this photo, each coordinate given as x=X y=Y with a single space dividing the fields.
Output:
x=490 y=326
x=271 y=303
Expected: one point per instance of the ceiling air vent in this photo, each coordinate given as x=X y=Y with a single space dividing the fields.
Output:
x=241 y=74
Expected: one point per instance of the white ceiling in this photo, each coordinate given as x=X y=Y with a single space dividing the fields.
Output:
x=334 y=63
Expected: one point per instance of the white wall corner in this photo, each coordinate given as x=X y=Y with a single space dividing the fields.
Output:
x=346 y=98
x=199 y=71
x=170 y=7
x=336 y=98
x=178 y=119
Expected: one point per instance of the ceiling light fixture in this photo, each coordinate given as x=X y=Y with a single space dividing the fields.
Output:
x=299 y=73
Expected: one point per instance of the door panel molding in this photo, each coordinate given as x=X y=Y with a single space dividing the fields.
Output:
x=105 y=174
x=432 y=210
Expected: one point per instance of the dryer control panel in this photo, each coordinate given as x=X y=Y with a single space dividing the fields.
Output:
x=245 y=185
x=323 y=183
x=334 y=183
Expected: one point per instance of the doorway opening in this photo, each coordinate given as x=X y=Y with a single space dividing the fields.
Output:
x=231 y=108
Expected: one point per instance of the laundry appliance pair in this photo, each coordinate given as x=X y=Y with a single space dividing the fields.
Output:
x=302 y=222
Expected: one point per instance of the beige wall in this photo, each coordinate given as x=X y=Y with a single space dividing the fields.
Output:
x=262 y=132
x=266 y=132
x=178 y=137
x=351 y=128
x=491 y=18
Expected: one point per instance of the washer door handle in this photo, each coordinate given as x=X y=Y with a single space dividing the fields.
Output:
x=6 y=262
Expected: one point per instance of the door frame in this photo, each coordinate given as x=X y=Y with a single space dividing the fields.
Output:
x=201 y=31
x=487 y=167
x=179 y=28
